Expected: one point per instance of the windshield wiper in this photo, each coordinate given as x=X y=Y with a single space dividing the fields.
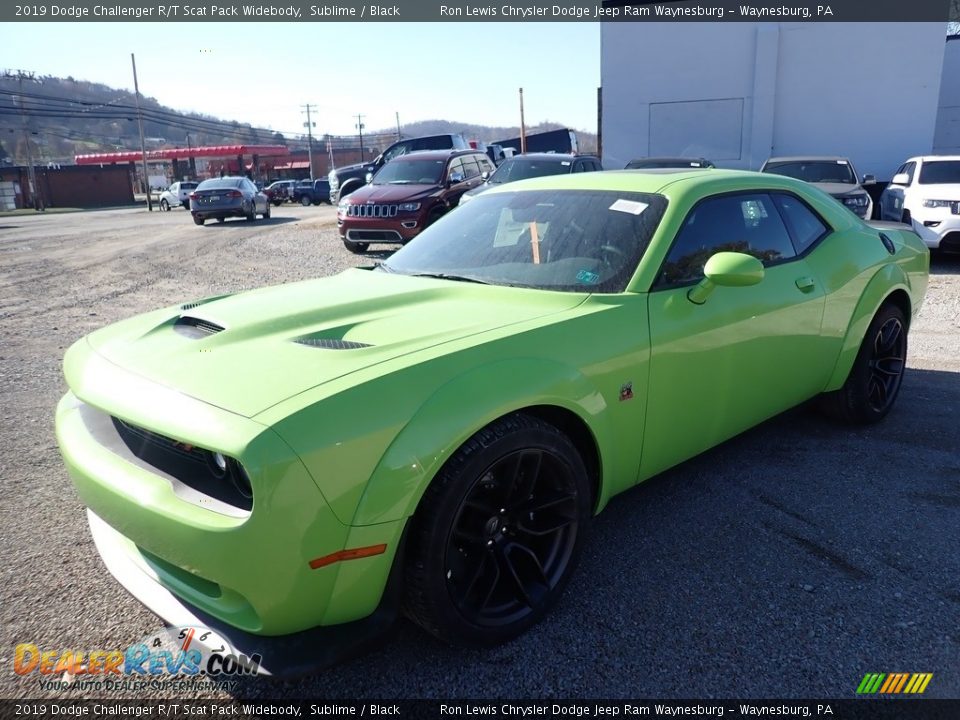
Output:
x=448 y=276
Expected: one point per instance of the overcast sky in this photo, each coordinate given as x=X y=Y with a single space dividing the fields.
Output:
x=262 y=72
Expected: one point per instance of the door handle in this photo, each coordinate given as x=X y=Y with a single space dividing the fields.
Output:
x=806 y=283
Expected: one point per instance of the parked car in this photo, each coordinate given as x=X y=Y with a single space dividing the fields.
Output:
x=649 y=163
x=925 y=193
x=408 y=194
x=344 y=180
x=278 y=192
x=225 y=197
x=563 y=140
x=295 y=464
x=177 y=194
x=836 y=176
x=521 y=167
x=314 y=192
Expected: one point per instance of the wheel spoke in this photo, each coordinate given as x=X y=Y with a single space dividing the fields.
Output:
x=892 y=366
x=545 y=502
x=516 y=583
x=543 y=526
x=524 y=476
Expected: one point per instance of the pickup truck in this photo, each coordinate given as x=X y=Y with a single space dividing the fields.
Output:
x=344 y=180
x=311 y=193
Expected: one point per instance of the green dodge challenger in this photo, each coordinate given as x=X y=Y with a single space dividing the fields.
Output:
x=293 y=466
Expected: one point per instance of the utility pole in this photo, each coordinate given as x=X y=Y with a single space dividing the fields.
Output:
x=309 y=125
x=398 y=127
x=143 y=144
x=600 y=123
x=35 y=194
x=523 y=127
x=360 y=130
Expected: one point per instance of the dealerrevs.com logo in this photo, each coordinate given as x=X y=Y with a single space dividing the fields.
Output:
x=190 y=651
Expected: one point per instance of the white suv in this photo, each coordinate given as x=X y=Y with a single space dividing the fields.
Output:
x=177 y=194
x=925 y=193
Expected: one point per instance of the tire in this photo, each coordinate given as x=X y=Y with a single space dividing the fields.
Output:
x=164 y=205
x=497 y=534
x=266 y=213
x=434 y=215
x=305 y=201
x=357 y=248
x=349 y=188
x=220 y=219
x=197 y=220
x=277 y=203
x=877 y=373
x=186 y=204
x=252 y=215
x=906 y=219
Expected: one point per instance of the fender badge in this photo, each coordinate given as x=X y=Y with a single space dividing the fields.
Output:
x=626 y=391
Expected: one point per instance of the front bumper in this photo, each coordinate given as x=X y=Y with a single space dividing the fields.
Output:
x=282 y=656
x=400 y=229
x=939 y=228
x=248 y=569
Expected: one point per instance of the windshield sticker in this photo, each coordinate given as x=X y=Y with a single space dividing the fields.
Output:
x=629 y=206
x=588 y=278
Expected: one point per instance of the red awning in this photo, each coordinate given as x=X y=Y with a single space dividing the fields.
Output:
x=183 y=153
x=294 y=165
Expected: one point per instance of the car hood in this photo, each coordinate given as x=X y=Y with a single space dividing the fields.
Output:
x=839 y=189
x=392 y=193
x=942 y=191
x=280 y=341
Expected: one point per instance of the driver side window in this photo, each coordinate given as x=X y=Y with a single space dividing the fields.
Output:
x=745 y=223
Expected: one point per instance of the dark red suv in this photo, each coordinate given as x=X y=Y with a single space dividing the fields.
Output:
x=409 y=193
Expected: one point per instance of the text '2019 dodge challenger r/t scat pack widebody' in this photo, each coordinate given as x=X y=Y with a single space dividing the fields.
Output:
x=291 y=466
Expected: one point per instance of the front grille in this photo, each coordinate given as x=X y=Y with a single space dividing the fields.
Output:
x=191 y=465
x=331 y=343
x=372 y=211
x=196 y=328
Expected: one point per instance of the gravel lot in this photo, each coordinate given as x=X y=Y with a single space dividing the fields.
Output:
x=787 y=562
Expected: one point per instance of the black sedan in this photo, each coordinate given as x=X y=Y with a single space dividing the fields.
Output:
x=225 y=197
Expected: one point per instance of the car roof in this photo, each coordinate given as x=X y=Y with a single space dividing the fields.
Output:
x=436 y=154
x=670 y=159
x=808 y=158
x=928 y=158
x=550 y=156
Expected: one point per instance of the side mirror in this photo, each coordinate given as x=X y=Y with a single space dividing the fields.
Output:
x=369 y=177
x=454 y=178
x=900 y=179
x=485 y=175
x=726 y=269
x=869 y=180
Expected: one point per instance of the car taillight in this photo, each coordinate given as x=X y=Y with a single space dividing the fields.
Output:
x=193 y=196
x=234 y=194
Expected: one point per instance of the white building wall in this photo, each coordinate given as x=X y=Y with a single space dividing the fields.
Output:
x=738 y=93
x=946 y=138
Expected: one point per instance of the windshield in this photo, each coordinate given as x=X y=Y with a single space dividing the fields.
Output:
x=940 y=172
x=815 y=171
x=570 y=240
x=411 y=172
x=218 y=184
x=648 y=164
x=523 y=168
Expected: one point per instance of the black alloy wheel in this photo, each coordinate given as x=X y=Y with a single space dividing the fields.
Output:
x=498 y=533
x=874 y=381
x=887 y=361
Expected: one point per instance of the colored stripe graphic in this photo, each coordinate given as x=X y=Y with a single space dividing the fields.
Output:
x=894 y=683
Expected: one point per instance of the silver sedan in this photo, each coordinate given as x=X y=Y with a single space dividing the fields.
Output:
x=225 y=197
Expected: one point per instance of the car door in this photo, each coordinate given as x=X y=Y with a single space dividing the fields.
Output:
x=456 y=184
x=893 y=197
x=746 y=353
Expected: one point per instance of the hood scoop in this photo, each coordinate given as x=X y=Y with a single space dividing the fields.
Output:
x=196 y=328
x=331 y=343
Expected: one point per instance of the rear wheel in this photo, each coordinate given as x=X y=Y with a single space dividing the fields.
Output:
x=877 y=373
x=498 y=533
x=252 y=215
x=356 y=247
x=305 y=201
x=197 y=220
x=164 y=205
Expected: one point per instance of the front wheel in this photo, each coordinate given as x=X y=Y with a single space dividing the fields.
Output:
x=305 y=201
x=356 y=247
x=498 y=533
x=252 y=215
x=877 y=373
x=164 y=205
x=266 y=213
